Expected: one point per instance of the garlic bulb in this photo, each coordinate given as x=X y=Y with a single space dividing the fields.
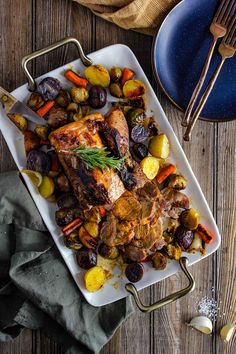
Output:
x=227 y=332
x=202 y=324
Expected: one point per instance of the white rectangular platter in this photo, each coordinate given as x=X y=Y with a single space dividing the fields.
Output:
x=115 y=55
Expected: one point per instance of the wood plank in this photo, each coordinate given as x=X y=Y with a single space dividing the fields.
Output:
x=134 y=336
x=225 y=266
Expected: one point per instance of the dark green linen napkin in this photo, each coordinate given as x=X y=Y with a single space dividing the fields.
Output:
x=36 y=288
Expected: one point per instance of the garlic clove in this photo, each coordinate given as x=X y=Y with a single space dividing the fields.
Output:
x=227 y=332
x=202 y=324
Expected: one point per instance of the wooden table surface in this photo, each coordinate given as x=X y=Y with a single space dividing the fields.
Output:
x=27 y=25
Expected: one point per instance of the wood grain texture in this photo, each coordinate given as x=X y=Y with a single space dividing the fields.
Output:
x=37 y=23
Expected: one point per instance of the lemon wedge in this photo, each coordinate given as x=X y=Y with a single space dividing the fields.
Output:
x=46 y=188
x=202 y=324
x=35 y=177
x=227 y=332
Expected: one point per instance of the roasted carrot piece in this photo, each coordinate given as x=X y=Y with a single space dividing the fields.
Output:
x=164 y=173
x=69 y=228
x=76 y=79
x=102 y=211
x=206 y=235
x=127 y=74
x=46 y=107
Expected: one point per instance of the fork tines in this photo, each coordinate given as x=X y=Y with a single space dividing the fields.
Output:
x=225 y=12
x=230 y=37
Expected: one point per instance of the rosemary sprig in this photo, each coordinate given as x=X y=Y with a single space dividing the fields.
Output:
x=98 y=157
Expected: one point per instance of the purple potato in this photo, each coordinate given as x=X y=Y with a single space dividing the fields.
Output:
x=140 y=150
x=86 y=259
x=49 y=88
x=109 y=252
x=67 y=200
x=97 y=97
x=63 y=99
x=66 y=215
x=139 y=133
x=184 y=237
x=57 y=117
x=134 y=272
x=72 y=241
x=39 y=161
x=62 y=183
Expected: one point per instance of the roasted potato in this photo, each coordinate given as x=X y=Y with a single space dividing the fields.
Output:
x=39 y=161
x=139 y=133
x=31 y=141
x=159 y=146
x=159 y=261
x=97 y=75
x=63 y=99
x=20 y=121
x=184 y=237
x=79 y=94
x=190 y=219
x=86 y=259
x=134 y=88
x=86 y=239
x=91 y=228
x=35 y=101
x=177 y=182
x=115 y=74
x=94 y=278
x=109 y=252
x=174 y=251
x=62 y=183
x=57 y=117
x=72 y=241
x=134 y=272
x=42 y=131
x=65 y=215
x=97 y=97
x=49 y=88
x=116 y=90
x=150 y=166
x=93 y=215
x=47 y=187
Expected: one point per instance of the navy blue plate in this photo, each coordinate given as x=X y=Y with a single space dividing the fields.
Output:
x=179 y=51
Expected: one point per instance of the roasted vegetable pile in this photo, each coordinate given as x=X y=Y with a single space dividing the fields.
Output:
x=85 y=162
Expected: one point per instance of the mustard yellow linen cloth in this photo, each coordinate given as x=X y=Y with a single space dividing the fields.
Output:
x=140 y=15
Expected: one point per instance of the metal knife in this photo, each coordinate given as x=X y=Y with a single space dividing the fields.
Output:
x=12 y=105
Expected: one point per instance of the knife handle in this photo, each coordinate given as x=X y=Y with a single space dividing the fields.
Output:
x=7 y=100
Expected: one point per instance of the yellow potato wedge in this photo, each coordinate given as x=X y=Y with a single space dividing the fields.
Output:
x=159 y=146
x=150 y=166
x=134 y=88
x=20 y=121
x=94 y=278
x=97 y=75
x=92 y=228
x=86 y=239
x=47 y=187
x=35 y=177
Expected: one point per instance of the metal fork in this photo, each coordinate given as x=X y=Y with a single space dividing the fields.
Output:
x=218 y=29
x=227 y=49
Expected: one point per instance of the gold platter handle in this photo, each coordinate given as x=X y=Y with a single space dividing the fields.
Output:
x=168 y=299
x=32 y=84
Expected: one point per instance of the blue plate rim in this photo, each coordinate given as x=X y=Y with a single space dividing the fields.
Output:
x=157 y=77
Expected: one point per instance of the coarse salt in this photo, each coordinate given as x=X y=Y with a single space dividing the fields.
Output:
x=208 y=307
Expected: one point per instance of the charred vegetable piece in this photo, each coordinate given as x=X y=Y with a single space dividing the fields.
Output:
x=165 y=172
x=152 y=127
x=184 y=237
x=139 y=134
x=38 y=161
x=35 y=177
x=72 y=241
x=177 y=182
x=116 y=90
x=20 y=121
x=159 y=146
x=91 y=228
x=63 y=99
x=134 y=88
x=31 y=141
x=206 y=235
x=159 y=261
x=86 y=239
x=140 y=150
x=72 y=226
x=135 y=116
x=67 y=200
x=97 y=75
x=49 y=88
x=94 y=278
x=115 y=74
x=76 y=79
x=47 y=187
x=86 y=109
x=65 y=215
x=196 y=245
x=97 y=97
x=127 y=74
x=72 y=107
x=174 y=251
x=42 y=131
x=86 y=259
x=93 y=215
x=134 y=272
x=150 y=166
x=79 y=94
x=190 y=219
x=35 y=101
x=62 y=183
x=109 y=252
x=57 y=117
x=42 y=111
